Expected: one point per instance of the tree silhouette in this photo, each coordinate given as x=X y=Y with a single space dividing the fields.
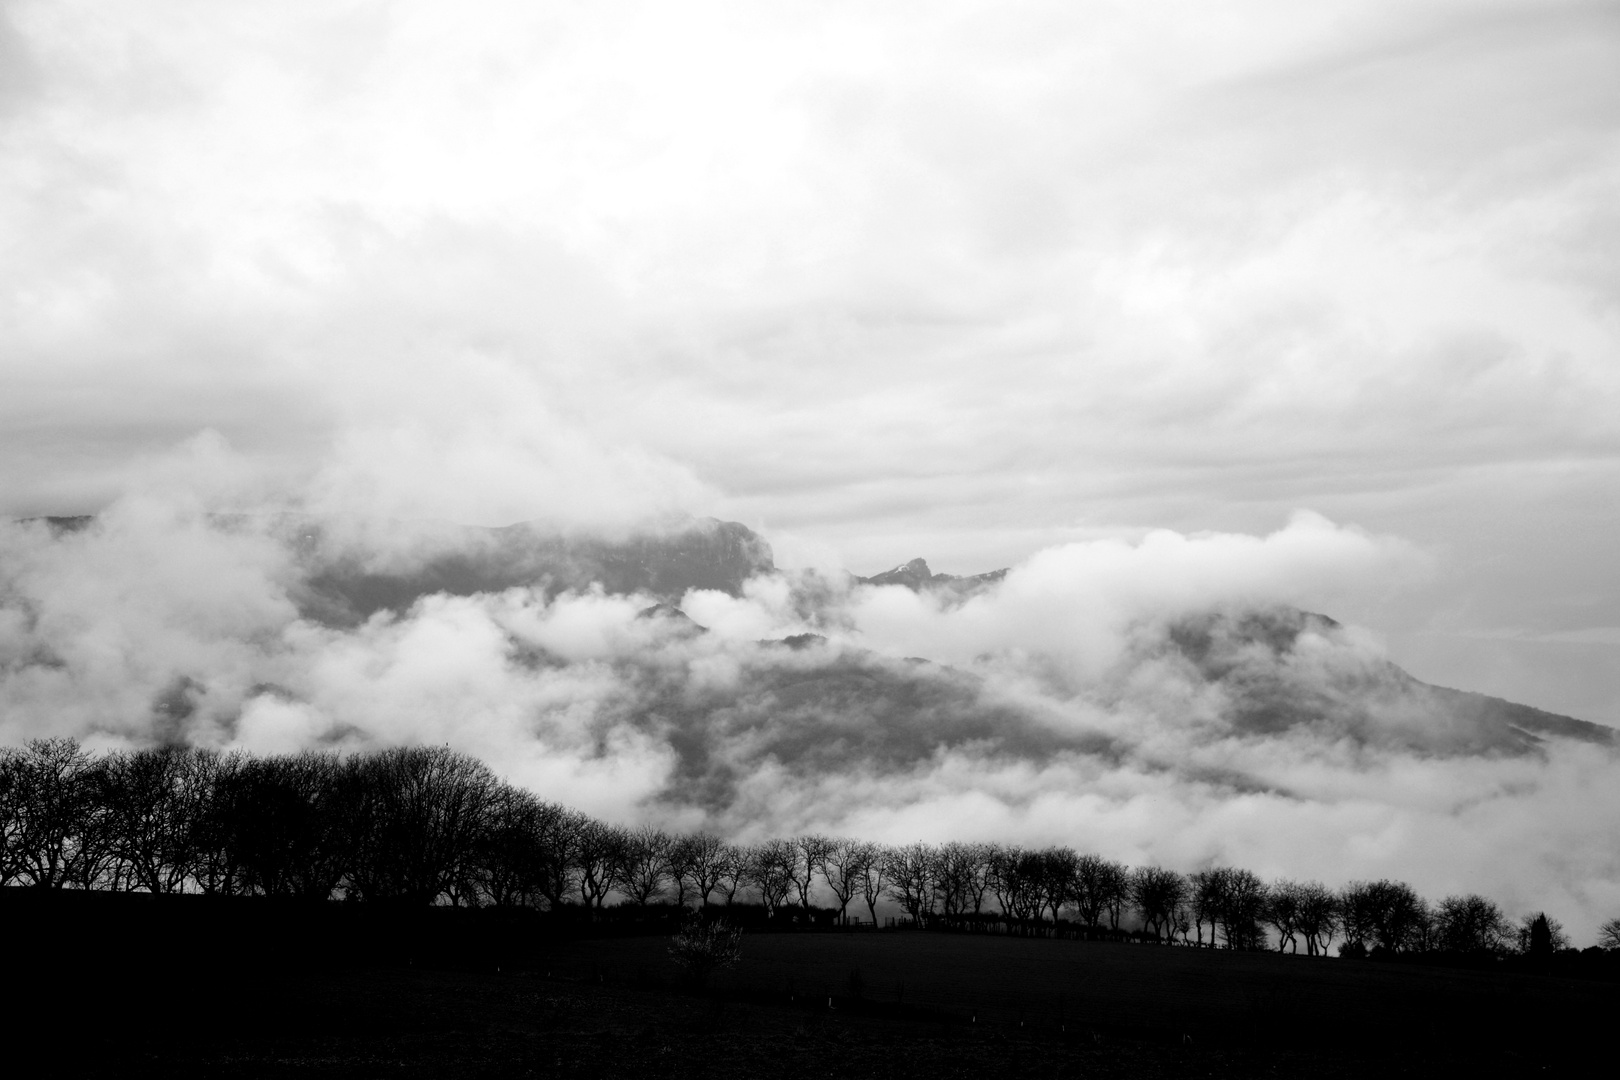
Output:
x=1540 y=935
x=1089 y=886
x=1282 y=911
x=427 y=825
x=598 y=857
x=643 y=871
x=60 y=820
x=1157 y=894
x=13 y=815
x=704 y=861
x=873 y=861
x=1470 y=924
x=1203 y=904
x=910 y=872
x=1317 y=917
x=731 y=871
x=1115 y=890
x=844 y=864
x=511 y=850
x=562 y=836
x=1237 y=900
x=809 y=852
x=423 y=812
x=770 y=868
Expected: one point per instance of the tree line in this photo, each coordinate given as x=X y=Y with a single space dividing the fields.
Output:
x=428 y=825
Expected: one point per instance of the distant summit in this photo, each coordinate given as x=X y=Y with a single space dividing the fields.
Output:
x=1280 y=668
x=916 y=576
x=344 y=582
x=701 y=554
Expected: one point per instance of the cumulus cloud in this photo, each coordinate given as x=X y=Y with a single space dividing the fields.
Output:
x=966 y=283
x=1076 y=601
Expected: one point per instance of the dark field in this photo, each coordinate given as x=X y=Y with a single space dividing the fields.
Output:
x=115 y=993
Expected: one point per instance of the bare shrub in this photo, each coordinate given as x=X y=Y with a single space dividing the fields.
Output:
x=704 y=946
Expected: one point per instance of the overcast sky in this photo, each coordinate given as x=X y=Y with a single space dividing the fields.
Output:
x=945 y=279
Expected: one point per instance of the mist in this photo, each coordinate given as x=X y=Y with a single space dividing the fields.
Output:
x=1160 y=698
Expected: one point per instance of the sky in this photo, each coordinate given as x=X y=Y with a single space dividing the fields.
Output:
x=965 y=281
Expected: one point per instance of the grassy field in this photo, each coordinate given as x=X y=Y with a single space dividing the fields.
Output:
x=182 y=988
x=830 y=1005
x=1152 y=993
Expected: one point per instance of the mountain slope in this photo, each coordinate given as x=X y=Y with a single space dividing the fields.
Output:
x=342 y=587
x=916 y=575
x=1281 y=667
x=1276 y=669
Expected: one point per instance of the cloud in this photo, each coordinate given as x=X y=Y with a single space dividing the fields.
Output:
x=1122 y=286
x=1071 y=710
x=1079 y=600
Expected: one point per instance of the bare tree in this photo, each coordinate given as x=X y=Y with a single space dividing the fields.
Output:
x=1239 y=902
x=680 y=866
x=843 y=864
x=703 y=863
x=292 y=825
x=511 y=858
x=1055 y=879
x=874 y=881
x=597 y=861
x=1157 y=893
x=809 y=853
x=731 y=871
x=59 y=825
x=1006 y=879
x=910 y=873
x=425 y=810
x=562 y=837
x=962 y=879
x=1025 y=882
x=1358 y=916
x=1318 y=916
x=1471 y=924
x=1282 y=912
x=1609 y=934
x=222 y=808
x=1115 y=889
x=952 y=870
x=1386 y=913
x=770 y=870
x=643 y=871
x=976 y=870
x=1091 y=887
x=1203 y=904
x=13 y=814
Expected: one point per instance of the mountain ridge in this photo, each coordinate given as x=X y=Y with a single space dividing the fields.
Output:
x=1276 y=667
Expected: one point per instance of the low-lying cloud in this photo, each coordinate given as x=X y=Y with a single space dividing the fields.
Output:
x=1160 y=699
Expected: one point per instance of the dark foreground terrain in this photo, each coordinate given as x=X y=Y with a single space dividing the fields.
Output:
x=191 y=989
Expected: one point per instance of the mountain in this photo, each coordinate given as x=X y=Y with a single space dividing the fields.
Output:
x=342 y=587
x=1280 y=667
x=1247 y=672
x=344 y=582
x=1276 y=669
x=916 y=575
